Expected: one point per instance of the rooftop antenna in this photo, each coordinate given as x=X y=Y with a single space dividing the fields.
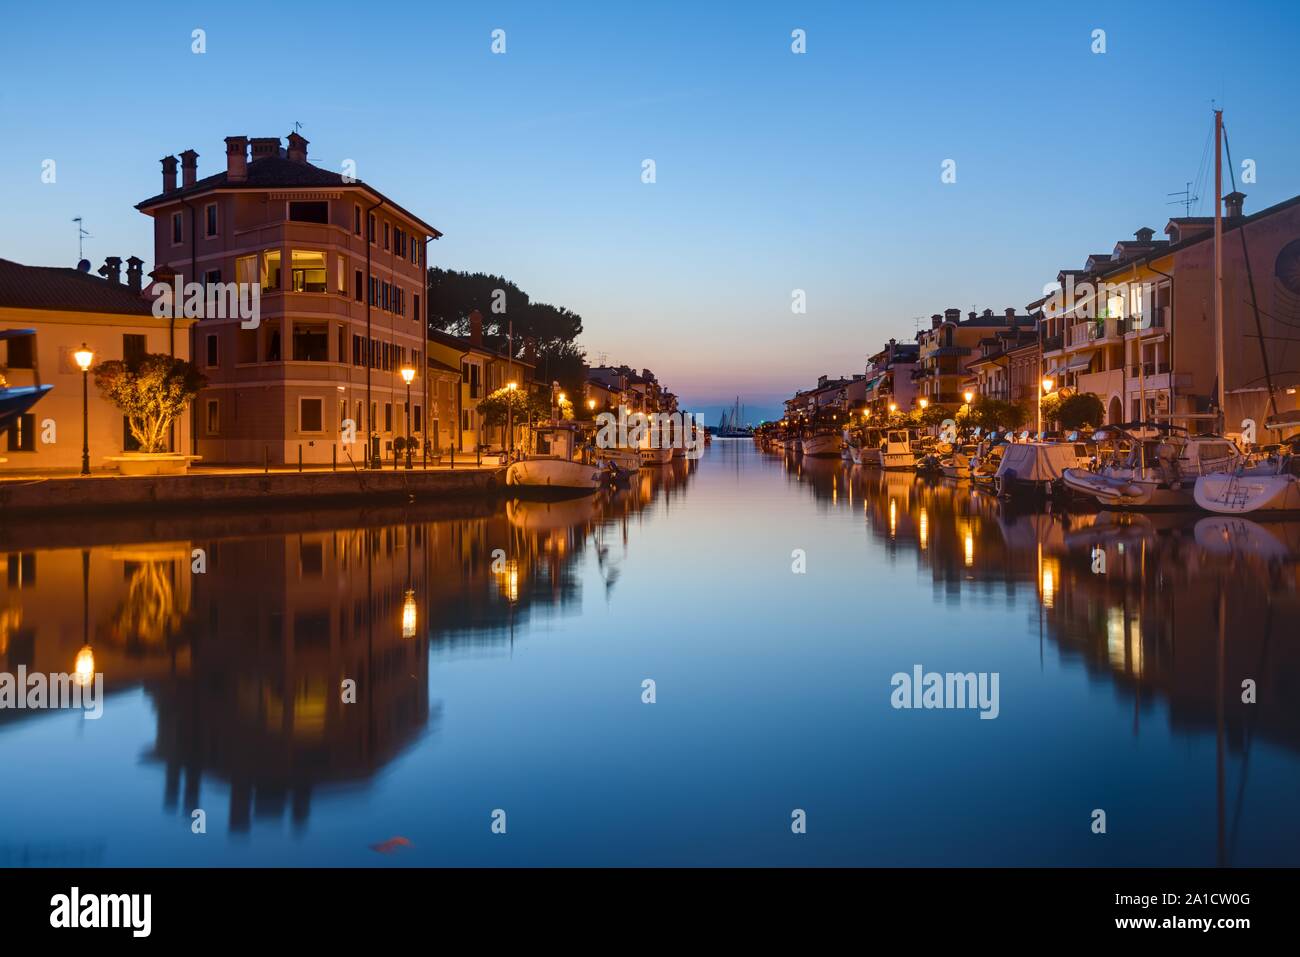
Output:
x=82 y=235
x=296 y=126
x=1186 y=201
x=602 y=359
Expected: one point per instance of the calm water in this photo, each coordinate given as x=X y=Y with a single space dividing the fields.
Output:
x=522 y=689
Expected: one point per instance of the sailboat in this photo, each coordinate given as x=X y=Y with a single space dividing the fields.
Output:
x=732 y=425
x=1270 y=484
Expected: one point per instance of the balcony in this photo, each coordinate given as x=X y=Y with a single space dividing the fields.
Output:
x=1053 y=344
x=1100 y=330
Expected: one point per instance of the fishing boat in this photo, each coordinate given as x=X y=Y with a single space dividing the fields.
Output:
x=1146 y=465
x=821 y=443
x=560 y=464
x=653 y=455
x=15 y=400
x=896 y=450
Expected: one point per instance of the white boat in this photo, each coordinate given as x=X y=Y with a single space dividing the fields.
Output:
x=1034 y=468
x=558 y=464
x=629 y=460
x=1269 y=485
x=957 y=464
x=822 y=445
x=1145 y=472
x=896 y=450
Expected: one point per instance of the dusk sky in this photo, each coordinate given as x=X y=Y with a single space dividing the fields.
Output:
x=775 y=171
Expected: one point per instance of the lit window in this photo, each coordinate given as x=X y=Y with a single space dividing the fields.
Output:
x=271 y=269
x=308 y=271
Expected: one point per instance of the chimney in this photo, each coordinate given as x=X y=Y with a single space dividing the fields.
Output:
x=988 y=313
x=936 y=321
x=476 y=328
x=971 y=315
x=1010 y=313
x=236 y=159
x=1232 y=204
x=297 y=148
x=189 y=167
x=264 y=146
x=134 y=273
x=112 y=270
x=952 y=315
x=169 y=174
x=1145 y=234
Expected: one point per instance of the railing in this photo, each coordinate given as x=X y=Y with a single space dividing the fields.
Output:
x=1054 y=343
x=1148 y=369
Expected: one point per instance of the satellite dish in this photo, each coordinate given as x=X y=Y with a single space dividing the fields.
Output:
x=83 y=266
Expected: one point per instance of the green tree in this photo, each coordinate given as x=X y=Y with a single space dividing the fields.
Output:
x=495 y=408
x=151 y=393
x=1081 y=410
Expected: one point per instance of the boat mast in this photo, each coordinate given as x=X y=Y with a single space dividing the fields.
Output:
x=1218 y=266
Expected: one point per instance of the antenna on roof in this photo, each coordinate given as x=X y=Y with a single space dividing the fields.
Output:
x=1186 y=201
x=296 y=126
x=81 y=236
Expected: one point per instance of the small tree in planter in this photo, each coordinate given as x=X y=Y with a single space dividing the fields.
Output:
x=151 y=393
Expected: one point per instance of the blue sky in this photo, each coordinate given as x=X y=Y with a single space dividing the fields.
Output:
x=775 y=171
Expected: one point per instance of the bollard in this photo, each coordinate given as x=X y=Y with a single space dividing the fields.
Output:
x=300 y=457
x=334 y=458
x=266 y=460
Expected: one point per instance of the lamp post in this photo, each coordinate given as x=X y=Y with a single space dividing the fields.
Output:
x=510 y=420
x=1046 y=387
x=84 y=357
x=408 y=376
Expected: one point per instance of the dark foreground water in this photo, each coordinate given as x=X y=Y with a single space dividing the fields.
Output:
x=499 y=654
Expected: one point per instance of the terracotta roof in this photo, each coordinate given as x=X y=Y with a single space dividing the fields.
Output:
x=65 y=290
x=278 y=172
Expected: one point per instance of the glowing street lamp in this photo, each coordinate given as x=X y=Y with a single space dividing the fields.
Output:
x=969 y=396
x=1047 y=384
x=925 y=403
x=408 y=375
x=84 y=357
x=893 y=407
x=510 y=418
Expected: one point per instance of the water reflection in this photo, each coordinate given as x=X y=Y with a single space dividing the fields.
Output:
x=285 y=653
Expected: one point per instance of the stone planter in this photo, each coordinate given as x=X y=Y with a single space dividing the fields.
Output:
x=152 y=463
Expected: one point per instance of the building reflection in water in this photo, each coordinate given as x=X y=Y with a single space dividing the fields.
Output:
x=246 y=661
x=1176 y=608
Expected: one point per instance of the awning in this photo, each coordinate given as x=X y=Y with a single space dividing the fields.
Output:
x=1081 y=361
x=1054 y=371
x=875 y=382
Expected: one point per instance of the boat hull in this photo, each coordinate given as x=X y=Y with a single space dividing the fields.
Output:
x=1227 y=494
x=822 y=446
x=554 y=475
x=898 y=461
x=656 y=456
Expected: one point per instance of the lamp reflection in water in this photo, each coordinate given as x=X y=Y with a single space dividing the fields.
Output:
x=409 y=615
x=83 y=669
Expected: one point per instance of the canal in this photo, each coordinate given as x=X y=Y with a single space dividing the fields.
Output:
x=704 y=668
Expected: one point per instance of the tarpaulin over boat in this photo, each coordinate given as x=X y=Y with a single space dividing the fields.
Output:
x=1037 y=461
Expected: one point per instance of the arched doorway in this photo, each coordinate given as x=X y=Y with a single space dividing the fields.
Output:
x=1115 y=414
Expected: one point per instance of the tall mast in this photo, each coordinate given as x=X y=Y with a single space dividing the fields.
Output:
x=1218 y=266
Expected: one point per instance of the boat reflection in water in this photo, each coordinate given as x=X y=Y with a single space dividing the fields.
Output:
x=1195 y=612
x=286 y=653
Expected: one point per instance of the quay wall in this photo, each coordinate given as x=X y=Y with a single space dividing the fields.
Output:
x=109 y=495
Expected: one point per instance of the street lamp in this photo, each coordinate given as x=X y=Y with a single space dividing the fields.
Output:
x=408 y=376
x=969 y=396
x=1047 y=384
x=925 y=403
x=84 y=357
x=510 y=418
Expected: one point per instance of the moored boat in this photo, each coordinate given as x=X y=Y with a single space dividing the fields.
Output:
x=896 y=450
x=1150 y=472
x=1269 y=485
x=560 y=464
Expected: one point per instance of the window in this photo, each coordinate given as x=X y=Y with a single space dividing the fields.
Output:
x=246 y=270
x=415 y=419
x=311 y=415
x=415 y=313
x=385 y=235
x=178 y=228
x=388 y=416
x=308 y=271
x=310 y=341
x=22 y=353
x=415 y=253
x=341 y=354
x=213 y=416
x=273 y=342
x=309 y=212
x=356 y=219
x=212 y=350
x=357 y=351
x=370 y=227
x=212 y=277
x=270 y=270
x=342 y=277
x=358 y=283
x=22 y=433
x=384 y=300
x=133 y=348
x=210 y=220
